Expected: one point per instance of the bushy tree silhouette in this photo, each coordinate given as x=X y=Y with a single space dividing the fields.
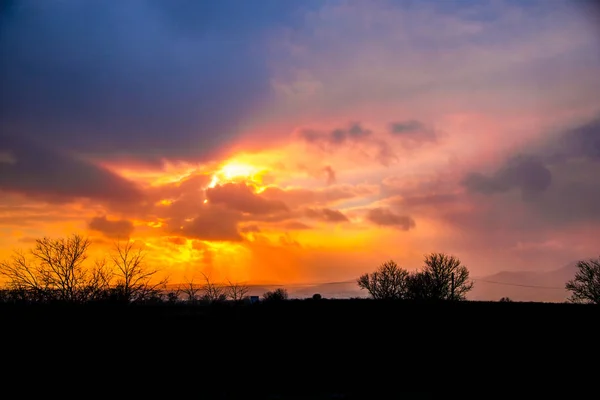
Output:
x=443 y=277
x=389 y=281
x=585 y=286
x=279 y=294
x=420 y=286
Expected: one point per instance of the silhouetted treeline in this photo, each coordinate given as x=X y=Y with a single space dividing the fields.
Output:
x=56 y=271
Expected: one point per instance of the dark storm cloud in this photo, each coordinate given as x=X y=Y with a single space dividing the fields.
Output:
x=582 y=141
x=56 y=176
x=150 y=79
x=559 y=179
x=385 y=217
x=526 y=173
x=117 y=229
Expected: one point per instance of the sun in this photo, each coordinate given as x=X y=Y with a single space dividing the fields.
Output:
x=234 y=171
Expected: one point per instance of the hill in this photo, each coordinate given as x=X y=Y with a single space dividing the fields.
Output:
x=545 y=286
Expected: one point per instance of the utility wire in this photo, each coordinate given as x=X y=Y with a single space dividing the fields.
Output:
x=516 y=284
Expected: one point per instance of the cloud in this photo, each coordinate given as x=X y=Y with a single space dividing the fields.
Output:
x=406 y=127
x=557 y=177
x=326 y=214
x=330 y=175
x=295 y=198
x=7 y=158
x=332 y=140
x=190 y=186
x=52 y=175
x=580 y=141
x=115 y=229
x=250 y=229
x=354 y=138
x=412 y=133
x=150 y=79
x=385 y=217
x=241 y=197
x=296 y=225
x=212 y=223
x=177 y=240
x=526 y=173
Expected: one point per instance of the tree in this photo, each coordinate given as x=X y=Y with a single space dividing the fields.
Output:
x=420 y=286
x=134 y=279
x=443 y=278
x=276 y=295
x=54 y=270
x=585 y=286
x=389 y=281
x=213 y=293
x=236 y=291
x=191 y=291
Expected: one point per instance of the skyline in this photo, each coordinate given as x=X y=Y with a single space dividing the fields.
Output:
x=292 y=142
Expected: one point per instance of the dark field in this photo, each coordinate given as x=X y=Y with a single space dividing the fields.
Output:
x=303 y=349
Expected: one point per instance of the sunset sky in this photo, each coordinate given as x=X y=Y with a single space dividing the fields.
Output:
x=303 y=141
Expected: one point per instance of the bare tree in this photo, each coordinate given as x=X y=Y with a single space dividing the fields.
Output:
x=213 y=292
x=99 y=281
x=442 y=278
x=191 y=291
x=236 y=291
x=54 y=270
x=388 y=282
x=23 y=275
x=585 y=286
x=134 y=281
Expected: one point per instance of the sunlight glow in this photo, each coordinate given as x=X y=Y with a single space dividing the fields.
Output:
x=234 y=171
x=238 y=170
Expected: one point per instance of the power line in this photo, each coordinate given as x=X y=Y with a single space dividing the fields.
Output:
x=516 y=284
x=310 y=284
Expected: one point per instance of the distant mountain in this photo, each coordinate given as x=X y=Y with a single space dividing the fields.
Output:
x=547 y=286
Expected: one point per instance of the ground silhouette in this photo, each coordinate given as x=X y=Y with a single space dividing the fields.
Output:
x=326 y=348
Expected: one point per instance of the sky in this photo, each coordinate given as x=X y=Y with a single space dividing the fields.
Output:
x=303 y=141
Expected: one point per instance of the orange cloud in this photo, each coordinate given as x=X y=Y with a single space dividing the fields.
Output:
x=111 y=228
x=242 y=197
